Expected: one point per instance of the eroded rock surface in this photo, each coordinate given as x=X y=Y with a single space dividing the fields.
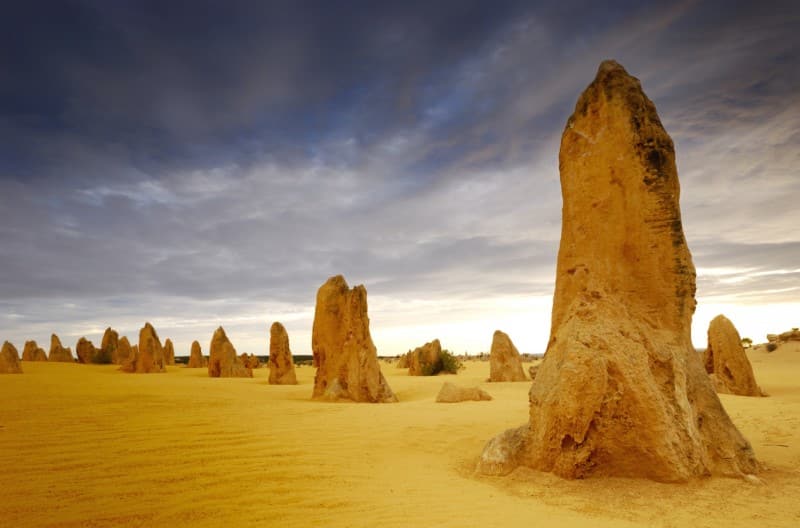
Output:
x=402 y=361
x=425 y=360
x=196 y=359
x=124 y=351
x=58 y=352
x=621 y=391
x=450 y=393
x=9 y=359
x=222 y=359
x=169 y=352
x=505 y=363
x=33 y=352
x=85 y=351
x=250 y=361
x=148 y=356
x=726 y=361
x=281 y=364
x=109 y=346
x=344 y=354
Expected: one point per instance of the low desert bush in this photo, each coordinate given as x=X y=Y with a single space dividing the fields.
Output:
x=101 y=357
x=447 y=363
x=450 y=363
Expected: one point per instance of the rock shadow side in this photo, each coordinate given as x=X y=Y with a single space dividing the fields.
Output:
x=726 y=361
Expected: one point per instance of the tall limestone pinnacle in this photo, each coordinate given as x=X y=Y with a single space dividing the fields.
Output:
x=344 y=354
x=281 y=365
x=621 y=390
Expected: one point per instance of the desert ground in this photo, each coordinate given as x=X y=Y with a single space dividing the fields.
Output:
x=86 y=445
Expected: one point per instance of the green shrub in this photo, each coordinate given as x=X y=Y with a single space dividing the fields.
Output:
x=431 y=369
x=450 y=363
x=771 y=347
x=101 y=356
x=447 y=363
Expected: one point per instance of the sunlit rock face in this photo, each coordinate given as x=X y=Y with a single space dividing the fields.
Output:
x=344 y=354
x=148 y=356
x=425 y=360
x=222 y=359
x=621 y=390
x=505 y=363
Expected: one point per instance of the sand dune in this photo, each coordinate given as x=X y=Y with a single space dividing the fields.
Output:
x=85 y=445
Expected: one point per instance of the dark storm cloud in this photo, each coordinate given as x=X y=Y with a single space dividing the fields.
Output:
x=187 y=85
x=213 y=162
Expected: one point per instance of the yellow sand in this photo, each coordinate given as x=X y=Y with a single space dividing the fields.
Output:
x=90 y=446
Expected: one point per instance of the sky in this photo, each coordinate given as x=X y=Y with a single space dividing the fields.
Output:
x=213 y=163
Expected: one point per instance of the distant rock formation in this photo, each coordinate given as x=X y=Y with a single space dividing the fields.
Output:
x=450 y=393
x=345 y=357
x=281 y=364
x=196 y=359
x=109 y=347
x=223 y=361
x=85 y=351
x=124 y=351
x=778 y=339
x=532 y=371
x=505 y=363
x=425 y=360
x=33 y=352
x=58 y=352
x=148 y=356
x=621 y=391
x=250 y=361
x=169 y=352
x=402 y=362
x=9 y=360
x=726 y=362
